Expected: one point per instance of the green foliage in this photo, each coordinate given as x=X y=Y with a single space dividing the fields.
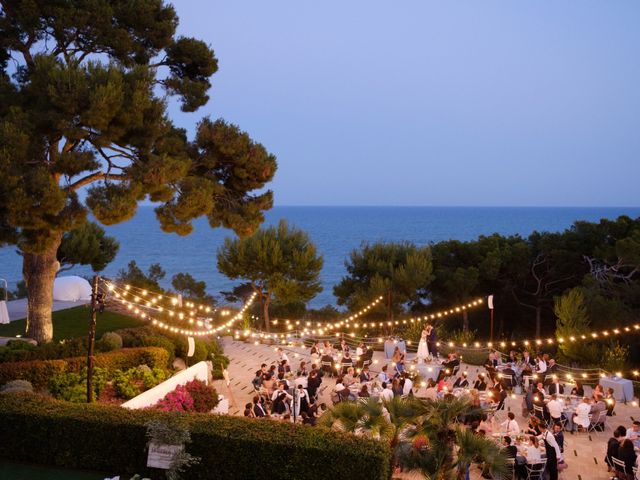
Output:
x=573 y=321
x=191 y=289
x=111 y=341
x=280 y=262
x=399 y=271
x=223 y=443
x=135 y=277
x=87 y=245
x=38 y=372
x=615 y=358
x=84 y=108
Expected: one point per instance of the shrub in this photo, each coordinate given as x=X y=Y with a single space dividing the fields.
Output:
x=162 y=342
x=110 y=341
x=39 y=372
x=205 y=397
x=18 y=351
x=17 y=386
x=112 y=439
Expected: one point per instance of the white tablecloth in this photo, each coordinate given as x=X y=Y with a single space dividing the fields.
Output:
x=4 y=313
x=622 y=388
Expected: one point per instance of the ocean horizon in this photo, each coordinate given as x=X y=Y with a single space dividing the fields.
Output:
x=336 y=231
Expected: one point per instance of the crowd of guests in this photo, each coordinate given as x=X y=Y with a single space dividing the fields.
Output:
x=622 y=446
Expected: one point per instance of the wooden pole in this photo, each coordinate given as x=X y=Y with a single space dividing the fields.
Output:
x=92 y=337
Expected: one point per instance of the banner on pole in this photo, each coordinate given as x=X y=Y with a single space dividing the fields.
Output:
x=192 y=347
x=490 y=302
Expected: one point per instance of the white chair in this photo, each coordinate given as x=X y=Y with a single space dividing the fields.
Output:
x=619 y=466
x=536 y=471
x=509 y=473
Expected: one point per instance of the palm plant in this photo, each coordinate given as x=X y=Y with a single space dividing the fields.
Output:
x=424 y=435
x=442 y=449
x=365 y=417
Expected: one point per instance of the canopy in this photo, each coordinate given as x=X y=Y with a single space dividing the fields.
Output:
x=71 y=289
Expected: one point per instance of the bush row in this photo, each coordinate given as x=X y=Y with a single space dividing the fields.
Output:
x=177 y=346
x=39 y=372
x=19 y=351
x=112 y=439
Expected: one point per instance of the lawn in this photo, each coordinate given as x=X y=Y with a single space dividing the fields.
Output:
x=74 y=322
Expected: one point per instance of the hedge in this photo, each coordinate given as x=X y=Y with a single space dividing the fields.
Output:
x=39 y=372
x=112 y=439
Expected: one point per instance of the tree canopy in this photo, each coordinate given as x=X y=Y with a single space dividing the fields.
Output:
x=87 y=245
x=401 y=272
x=280 y=262
x=84 y=88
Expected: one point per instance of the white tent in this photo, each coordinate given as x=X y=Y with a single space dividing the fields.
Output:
x=71 y=289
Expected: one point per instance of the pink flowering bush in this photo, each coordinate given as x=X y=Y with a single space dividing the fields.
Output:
x=194 y=396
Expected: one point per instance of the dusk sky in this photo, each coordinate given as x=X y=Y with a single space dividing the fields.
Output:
x=432 y=103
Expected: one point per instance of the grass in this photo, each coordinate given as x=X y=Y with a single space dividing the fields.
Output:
x=74 y=322
x=17 y=471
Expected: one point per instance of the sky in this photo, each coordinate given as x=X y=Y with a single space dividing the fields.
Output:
x=465 y=103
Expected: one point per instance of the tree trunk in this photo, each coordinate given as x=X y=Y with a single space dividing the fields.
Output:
x=39 y=271
x=266 y=299
x=538 y=320
x=465 y=321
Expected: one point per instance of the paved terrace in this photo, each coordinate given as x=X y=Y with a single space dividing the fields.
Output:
x=583 y=453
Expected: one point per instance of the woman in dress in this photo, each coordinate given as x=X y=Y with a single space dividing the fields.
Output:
x=423 y=348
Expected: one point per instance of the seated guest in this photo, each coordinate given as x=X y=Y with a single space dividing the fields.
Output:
x=349 y=378
x=485 y=424
x=555 y=408
x=407 y=386
x=383 y=376
x=509 y=450
x=541 y=366
x=396 y=387
x=431 y=393
x=327 y=362
x=347 y=362
x=555 y=387
x=513 y=357
x=399 y=367
x=538 y=395
x=598 y=390
x=284 y=367
x=449 y=367
x=327 y=349
x=578 y=390
x=533 y=428
x=508 y=377
x=627 y=454
x=613 y=444
x=528 y=363
x=364 y=375
x=387 y=393
x=610 y=400
x=598 y=407
x=302 y=370
x=248 y=411
x=315 y=350
x=633 y=433
x=313 y=383
x=461 y=381
x=532 y=451
x=480 y=384
x=398 y=356
x=510 y=425
x=581 y=417
x=490 y=366
x=364 y=392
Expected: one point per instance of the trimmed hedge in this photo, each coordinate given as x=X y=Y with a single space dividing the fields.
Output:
x=112 y=439
x=39 y=372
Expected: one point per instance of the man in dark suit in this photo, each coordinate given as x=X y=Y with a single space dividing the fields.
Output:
x=555 y=387
x=432 y=341
x=258 y=409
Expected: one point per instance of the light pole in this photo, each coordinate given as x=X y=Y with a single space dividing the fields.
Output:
x=92 y=337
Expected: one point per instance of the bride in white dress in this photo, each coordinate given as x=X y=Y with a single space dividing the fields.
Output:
x=423 y=349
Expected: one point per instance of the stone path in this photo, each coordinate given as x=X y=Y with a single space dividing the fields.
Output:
x=583 y=453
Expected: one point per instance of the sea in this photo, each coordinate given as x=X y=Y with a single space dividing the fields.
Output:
x=335 y=230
